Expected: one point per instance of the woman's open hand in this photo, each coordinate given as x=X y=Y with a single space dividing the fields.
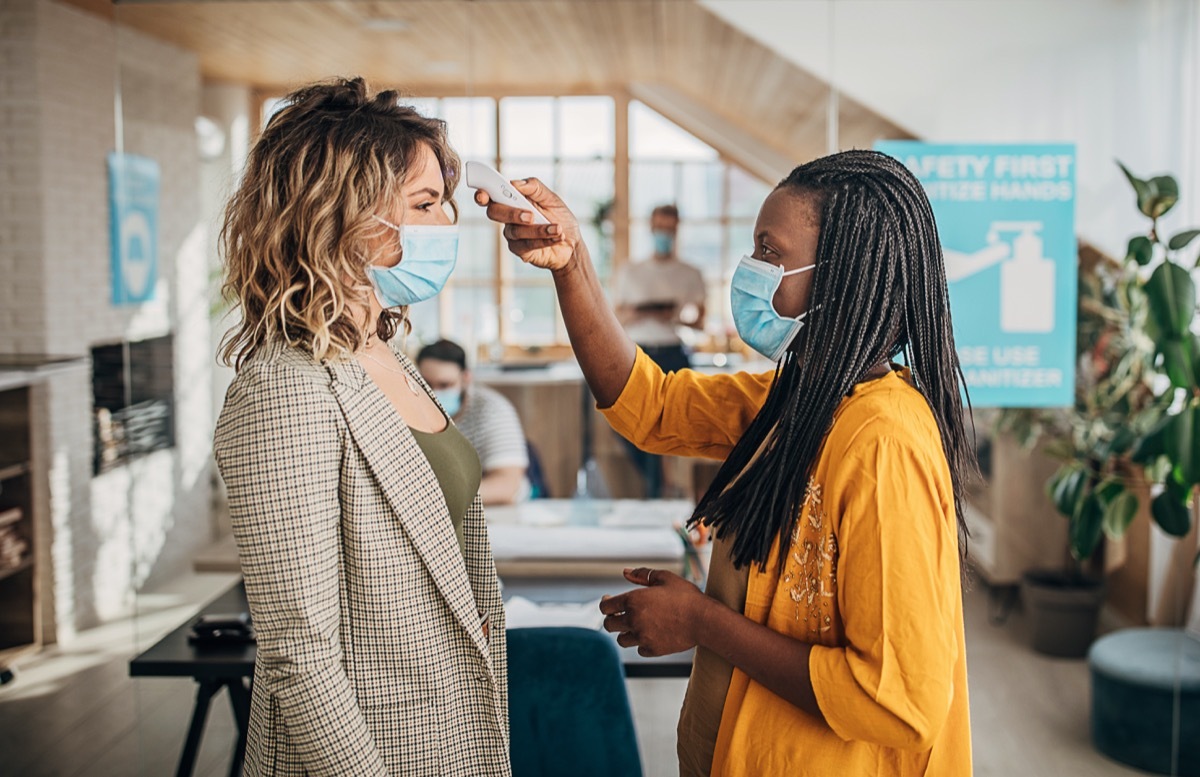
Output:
x=659 y=619
x=549 y=246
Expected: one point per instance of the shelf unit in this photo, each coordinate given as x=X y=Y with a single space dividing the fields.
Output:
x=20 y=630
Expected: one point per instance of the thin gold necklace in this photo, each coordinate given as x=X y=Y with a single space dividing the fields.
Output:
x=413 y=386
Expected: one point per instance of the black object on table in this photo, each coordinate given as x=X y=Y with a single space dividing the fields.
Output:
x=232 y=667
x=213 y=668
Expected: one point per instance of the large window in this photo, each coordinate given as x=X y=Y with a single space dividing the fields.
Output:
x=717 y=201
x=570 y=142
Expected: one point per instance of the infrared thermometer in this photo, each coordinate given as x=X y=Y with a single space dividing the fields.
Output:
x=481 y=176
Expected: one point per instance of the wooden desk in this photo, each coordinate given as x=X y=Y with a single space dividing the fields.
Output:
x=549 y=403
x=213 y=669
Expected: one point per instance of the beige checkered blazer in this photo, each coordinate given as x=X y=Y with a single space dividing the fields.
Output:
x=372 y=656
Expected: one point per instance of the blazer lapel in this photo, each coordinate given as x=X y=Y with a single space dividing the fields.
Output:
x=409 y=485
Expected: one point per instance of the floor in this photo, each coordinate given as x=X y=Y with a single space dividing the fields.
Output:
x=76 y=713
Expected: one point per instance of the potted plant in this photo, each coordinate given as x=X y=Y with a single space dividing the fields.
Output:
x=1094 y=486
x=1169 y=451
x=1138 y=367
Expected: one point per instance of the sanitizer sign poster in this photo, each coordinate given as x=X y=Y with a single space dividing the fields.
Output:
x=133 y=186
x=1006 y=218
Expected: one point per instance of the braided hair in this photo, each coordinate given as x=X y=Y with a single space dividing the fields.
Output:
x=879 y=291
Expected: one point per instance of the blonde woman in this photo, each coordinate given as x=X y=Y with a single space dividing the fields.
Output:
x=355 y=501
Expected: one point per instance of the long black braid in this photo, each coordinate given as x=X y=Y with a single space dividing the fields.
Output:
x=879 y=290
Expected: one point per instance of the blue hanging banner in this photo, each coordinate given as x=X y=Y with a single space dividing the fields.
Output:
x=1006 y=219
x=133 y=186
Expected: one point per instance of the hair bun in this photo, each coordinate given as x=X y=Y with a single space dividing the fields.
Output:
x=343 y=94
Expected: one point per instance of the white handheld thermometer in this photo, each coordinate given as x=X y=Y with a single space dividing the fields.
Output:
x=481 y=176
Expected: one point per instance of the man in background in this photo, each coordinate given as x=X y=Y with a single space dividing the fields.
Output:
x=486 y=419
x=653 y=299
x=656 y=296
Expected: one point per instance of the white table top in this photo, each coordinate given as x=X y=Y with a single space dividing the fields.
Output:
x=588 y=530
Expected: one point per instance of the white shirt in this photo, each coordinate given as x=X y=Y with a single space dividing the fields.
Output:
x=491 y=423
x=653 y=281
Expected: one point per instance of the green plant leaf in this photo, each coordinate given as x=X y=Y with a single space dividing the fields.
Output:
x=1179 y=360
x=1171 y=512
x=1152 y=444
x=1120 y=443
x=1181 y=239
x=1172 y=296
x=1140 y=187
x=1183 y=444
x=1141 y=250
x=1155 y=196
x=1164 y=193
x=1119 y=513
x=1109 y=489
x=1069 y=490
x=1086 y=528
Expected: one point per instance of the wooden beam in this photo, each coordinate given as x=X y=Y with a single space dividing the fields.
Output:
x=749 y=151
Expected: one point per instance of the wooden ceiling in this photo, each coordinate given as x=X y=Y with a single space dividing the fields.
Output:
x=512 y=46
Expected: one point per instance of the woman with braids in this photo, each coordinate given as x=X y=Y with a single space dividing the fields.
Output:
x=355 y=504
x=830 y=641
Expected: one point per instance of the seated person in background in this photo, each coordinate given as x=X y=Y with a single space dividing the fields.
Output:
x=486 y=419
x=653 y=298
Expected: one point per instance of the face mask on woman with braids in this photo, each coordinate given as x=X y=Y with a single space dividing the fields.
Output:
x=769 y=298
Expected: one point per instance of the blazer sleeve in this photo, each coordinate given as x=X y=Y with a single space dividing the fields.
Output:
x=279 y=451
x=686 y=413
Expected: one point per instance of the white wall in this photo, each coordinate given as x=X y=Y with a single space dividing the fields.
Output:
x=1117 y=77
x=109 y=536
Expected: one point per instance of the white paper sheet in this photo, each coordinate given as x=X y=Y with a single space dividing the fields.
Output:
x=521 y=613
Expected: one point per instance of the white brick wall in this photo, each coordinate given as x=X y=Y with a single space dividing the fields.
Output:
x=105 y=538
x=22 y=309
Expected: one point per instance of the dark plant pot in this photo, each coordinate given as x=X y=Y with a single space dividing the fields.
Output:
x=1063 y=611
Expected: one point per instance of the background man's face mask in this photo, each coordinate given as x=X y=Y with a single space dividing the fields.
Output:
x=428 y=255
x=664 y=242
x=758 y=323
x=451 y=400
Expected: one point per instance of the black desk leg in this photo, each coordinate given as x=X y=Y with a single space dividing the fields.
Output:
x=239 y=699
x=204 y=694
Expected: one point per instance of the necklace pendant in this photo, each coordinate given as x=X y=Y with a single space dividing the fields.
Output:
x=413 y=386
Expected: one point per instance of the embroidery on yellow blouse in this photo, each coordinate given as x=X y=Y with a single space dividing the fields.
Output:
x=811 y=570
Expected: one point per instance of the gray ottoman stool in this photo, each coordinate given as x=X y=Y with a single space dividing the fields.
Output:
x=1137 y=675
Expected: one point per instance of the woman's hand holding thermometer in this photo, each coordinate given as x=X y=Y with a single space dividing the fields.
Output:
x=539 y=227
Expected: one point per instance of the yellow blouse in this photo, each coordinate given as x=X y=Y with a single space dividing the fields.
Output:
x=871 y=579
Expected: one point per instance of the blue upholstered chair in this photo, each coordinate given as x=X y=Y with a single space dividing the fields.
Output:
x=567 y=706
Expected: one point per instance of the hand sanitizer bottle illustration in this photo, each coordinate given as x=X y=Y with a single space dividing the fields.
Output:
x=1027 y=280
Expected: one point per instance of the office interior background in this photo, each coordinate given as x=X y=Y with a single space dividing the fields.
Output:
x=113 y=527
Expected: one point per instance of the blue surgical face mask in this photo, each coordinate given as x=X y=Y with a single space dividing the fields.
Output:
x=428 y=255
x=758 y=323
x=451 y=400
x=664 y=242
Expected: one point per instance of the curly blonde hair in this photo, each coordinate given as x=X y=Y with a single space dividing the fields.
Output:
x=296 y=232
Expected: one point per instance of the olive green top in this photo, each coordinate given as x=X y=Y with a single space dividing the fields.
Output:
x=456 y=465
